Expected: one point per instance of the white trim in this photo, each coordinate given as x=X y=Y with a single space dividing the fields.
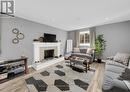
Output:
x=85 y=44
x=85 y=32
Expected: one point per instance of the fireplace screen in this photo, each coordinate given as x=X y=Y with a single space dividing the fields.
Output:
x=48 y=53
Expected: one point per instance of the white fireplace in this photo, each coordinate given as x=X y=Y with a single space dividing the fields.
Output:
x=39 y=51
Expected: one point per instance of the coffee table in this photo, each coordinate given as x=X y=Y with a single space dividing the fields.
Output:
x=79 y=63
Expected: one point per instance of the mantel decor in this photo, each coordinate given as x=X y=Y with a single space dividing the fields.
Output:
x=19 y=36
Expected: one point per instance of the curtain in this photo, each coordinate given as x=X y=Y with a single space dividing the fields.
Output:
x=69 y=46
x=92 y=37
x=77 y=38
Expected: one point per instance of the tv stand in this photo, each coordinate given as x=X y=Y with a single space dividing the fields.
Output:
x=9 y=65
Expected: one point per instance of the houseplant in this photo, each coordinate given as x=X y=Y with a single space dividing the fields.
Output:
x=100 y=45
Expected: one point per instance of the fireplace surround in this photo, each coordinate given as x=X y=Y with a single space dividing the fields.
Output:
x=40 y=49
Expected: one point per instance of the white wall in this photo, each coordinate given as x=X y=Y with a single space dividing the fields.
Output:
x=117 y=36
x=31 y=30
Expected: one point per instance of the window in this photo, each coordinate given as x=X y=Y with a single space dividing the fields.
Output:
x=84 y=38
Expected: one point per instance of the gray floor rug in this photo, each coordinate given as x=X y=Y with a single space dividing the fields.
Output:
x=60 y=78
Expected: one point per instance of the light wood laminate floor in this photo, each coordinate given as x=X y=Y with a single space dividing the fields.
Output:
x=19 y=85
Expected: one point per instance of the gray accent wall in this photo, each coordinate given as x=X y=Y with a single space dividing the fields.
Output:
x=117 y=36
x=72 y=36
x=31 y=30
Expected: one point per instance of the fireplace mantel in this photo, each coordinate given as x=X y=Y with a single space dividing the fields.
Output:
x=39 y=48
x=46 y=44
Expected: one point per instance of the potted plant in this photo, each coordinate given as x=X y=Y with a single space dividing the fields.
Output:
x=100 y=45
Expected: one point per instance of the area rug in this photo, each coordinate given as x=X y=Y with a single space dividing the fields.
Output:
x=60 y=78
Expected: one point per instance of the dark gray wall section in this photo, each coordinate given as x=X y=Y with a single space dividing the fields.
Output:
x=117 y=36
x=31 y=30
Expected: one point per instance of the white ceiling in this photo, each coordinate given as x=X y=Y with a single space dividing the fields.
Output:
x=73 y=14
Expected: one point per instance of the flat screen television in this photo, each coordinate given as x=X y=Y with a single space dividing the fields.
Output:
x=49 y=37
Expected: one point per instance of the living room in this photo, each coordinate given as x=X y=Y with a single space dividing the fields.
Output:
x=53 y=46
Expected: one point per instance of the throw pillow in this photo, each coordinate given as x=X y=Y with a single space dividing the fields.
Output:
x=83 y=51
x=90 y=50
x=125 y=75
x=122 y=58
x=76 y=50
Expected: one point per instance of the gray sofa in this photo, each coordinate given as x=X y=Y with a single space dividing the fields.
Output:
x=82 y=53
x=113 y=80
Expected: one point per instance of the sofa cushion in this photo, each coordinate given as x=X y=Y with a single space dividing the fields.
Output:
x=90 y=50
x=119 y=86
x=107 y=83
x=114 y=85
x=112 y=62
x=112 y=75
x=122 y=58
x=83 y=51
x=125 y=75
x=115 y=69
x=76 y=50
